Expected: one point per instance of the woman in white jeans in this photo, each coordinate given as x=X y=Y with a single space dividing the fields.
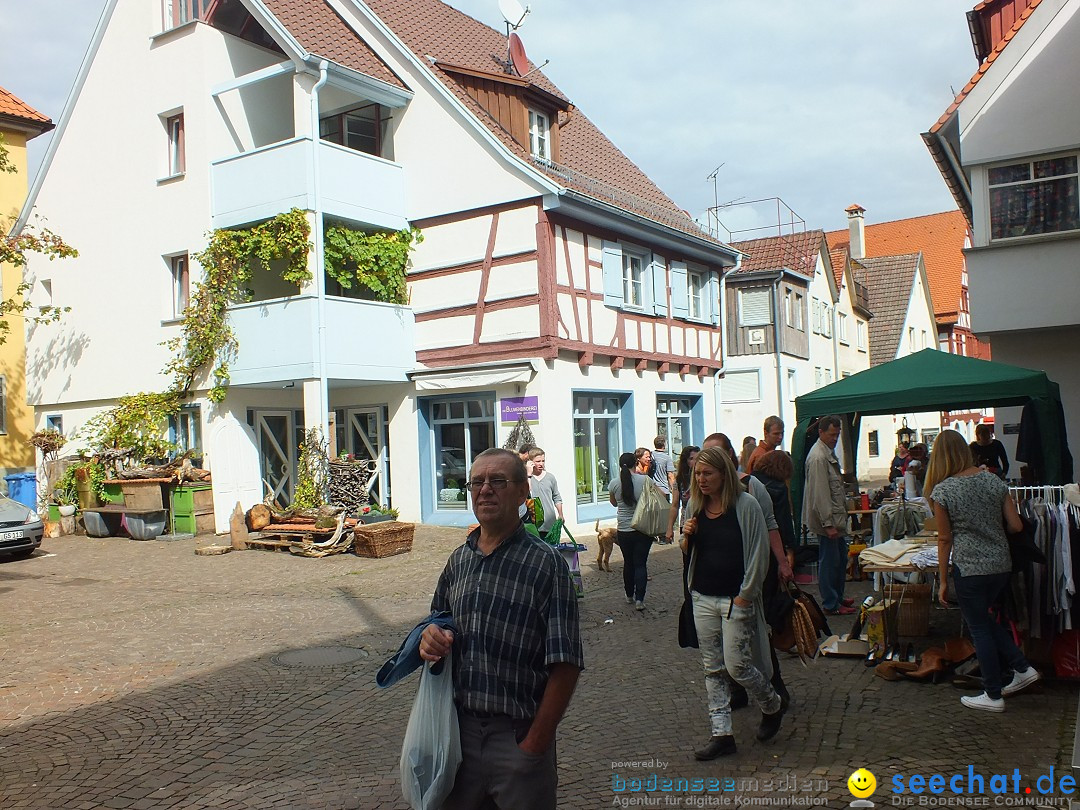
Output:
x=728 y=546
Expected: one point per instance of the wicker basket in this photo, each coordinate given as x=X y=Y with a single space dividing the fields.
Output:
x=914 y=600
x=383 y=539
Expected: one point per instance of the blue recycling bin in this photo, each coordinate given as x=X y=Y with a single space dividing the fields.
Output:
x=22 y=487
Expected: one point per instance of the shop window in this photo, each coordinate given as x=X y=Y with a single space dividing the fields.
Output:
x=872 y=439
x=1034 y=197
x=461 y=429
x=741 y=386
x=673 y=421
x=597 y=428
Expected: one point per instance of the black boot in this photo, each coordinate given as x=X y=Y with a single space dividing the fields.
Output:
x=716 y=747
x=770 y=724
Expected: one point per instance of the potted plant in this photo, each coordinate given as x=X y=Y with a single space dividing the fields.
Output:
x=377 y=514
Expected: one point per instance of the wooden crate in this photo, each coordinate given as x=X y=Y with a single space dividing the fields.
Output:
x=143 y=493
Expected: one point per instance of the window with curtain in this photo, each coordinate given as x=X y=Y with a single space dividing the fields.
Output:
x=1034 y=197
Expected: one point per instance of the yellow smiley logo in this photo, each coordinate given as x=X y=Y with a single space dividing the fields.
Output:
x=862 y=783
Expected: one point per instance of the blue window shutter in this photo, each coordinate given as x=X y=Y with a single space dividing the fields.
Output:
x=680 y=307
x=658 y=278
x=714 y=299
x=613 y=294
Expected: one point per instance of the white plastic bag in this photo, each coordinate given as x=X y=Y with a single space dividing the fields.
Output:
x=651 y=513
x=431 y=752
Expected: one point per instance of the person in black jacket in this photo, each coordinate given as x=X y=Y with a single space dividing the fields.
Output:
x=988 y=452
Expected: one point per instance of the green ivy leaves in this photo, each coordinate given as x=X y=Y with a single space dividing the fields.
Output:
x=377 y=261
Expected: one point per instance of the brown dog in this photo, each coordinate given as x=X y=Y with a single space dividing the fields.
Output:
x=605 y=539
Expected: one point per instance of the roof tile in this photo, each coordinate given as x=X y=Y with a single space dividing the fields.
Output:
x=14 y=107
x=939 y=237
x=888 y=280
x=797 y=252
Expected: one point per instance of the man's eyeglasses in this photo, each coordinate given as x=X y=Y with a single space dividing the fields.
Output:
x=495 y=483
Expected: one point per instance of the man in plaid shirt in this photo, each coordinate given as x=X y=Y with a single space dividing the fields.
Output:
x=518 y=649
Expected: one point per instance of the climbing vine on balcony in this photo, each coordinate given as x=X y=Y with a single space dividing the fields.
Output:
x=206 y=340
x=377 y=261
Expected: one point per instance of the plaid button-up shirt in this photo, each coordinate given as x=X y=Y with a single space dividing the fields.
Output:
x=517 y=614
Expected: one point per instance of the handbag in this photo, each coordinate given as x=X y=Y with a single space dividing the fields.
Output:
x=687 y=627
x=431 y=751
x=651 y=513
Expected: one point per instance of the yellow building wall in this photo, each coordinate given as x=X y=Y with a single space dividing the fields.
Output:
x=15 y=453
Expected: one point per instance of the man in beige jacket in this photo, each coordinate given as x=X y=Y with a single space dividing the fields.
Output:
x=825 y=514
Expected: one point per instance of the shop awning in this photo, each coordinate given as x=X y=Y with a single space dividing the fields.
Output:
x=476 y=376
x=933 y=380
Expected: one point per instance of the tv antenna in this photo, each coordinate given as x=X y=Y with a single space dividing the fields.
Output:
x=513 y=14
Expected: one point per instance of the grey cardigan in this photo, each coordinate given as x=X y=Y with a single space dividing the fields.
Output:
x=756 y=553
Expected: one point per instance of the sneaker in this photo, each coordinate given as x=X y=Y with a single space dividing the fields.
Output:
x=716 y=747
x=629 y=599
x=1021 y=681
x=843 y=610
x=847 y=602
x=639 y=605
x=770 y=723
x=984 y=702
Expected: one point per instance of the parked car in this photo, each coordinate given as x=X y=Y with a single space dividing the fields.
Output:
x=21 y=529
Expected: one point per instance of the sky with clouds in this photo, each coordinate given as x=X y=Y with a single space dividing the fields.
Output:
x=817 y=103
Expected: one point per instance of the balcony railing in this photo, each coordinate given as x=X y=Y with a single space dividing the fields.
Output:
x=264 y=182
x=279 y=340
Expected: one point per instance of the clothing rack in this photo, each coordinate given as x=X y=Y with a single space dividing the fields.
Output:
x=1051 y=493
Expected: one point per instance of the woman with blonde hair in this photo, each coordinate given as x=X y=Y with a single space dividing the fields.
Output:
x=728 y=545
x=973 y=509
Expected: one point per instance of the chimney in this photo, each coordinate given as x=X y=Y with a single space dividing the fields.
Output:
x=856 y=233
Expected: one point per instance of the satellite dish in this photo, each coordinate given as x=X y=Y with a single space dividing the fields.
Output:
x=517 y=55
x=513 y=13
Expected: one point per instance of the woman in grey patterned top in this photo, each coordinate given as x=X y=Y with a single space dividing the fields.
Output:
x=973 y=508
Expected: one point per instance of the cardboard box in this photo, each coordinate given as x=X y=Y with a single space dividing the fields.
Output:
x=849 y=648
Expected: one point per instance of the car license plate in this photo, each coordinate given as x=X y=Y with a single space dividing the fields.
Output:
x=11 y=536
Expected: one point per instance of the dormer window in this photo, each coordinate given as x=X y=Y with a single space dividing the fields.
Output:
x=539 y=135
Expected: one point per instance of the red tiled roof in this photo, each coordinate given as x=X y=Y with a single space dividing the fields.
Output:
x=985 y=66
x=320 y=31
x=939 y=237
x=433 y=30
x=797 y=252
x=838 y=257
x=14 y=107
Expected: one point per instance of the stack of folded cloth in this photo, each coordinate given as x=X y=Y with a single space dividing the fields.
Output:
x=892 y=554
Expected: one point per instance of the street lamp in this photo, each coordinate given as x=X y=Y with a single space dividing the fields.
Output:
x=905 y=435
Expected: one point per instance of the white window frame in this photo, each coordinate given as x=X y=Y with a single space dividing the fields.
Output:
x=792 y=385
x=911 y=338
x=841 y=328
x=729 y=377
x=179 y=283
x=632 y=281
x=860 y=334
x=669 y=410
x=873 y=444
x=826 y=319
x=697 y=290
x=187 y=429
x=1000 y=189
x=798 y=312
x=539 y=135
x=176 y=159
x=788 y=316
x=744 y=294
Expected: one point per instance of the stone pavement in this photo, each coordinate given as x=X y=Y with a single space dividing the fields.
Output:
x=138 y=675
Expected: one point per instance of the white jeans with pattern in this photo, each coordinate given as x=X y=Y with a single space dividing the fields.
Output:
x=725 y=634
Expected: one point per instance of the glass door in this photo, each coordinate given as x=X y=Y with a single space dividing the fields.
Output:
x=367 y=440
x=276 y=432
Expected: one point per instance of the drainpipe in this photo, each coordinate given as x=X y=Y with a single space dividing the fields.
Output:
x=320 y=252
x=723 y=347
x=777 y=310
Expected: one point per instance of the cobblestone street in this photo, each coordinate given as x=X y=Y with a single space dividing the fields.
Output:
x=138 y=675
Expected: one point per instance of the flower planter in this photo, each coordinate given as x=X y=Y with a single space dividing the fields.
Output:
x=66 y=509
x=375 y=518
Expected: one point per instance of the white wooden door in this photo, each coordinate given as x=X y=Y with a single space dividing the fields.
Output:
x=233 y=458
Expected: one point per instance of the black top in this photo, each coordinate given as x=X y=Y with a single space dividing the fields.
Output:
x=898 y=467
x=719 y=568
x=991 y=455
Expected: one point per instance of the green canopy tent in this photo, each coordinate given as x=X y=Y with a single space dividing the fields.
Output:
x=933 y=380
